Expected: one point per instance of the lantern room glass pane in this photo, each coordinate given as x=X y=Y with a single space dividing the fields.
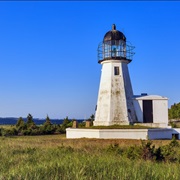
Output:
x=115 y=50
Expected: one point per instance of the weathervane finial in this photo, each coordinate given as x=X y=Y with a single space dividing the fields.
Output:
x=113 y=27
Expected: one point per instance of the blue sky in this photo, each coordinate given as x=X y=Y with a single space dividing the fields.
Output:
x=48 y=53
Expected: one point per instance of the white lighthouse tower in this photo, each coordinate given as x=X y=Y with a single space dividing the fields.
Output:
x=115 y=103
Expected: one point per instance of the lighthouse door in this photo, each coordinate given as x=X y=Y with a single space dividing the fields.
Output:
x=147 y=111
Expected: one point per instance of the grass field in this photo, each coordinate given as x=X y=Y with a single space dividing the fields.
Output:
x=55 y=157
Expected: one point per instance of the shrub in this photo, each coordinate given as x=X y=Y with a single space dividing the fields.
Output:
x=35 y=132
x=9 y=132
x=147 y=150
x=132 y=152
x=66 y=123
x=113 y=148
x=26 y=132
x=83 y=124
x=48 y=129
x=170 y=151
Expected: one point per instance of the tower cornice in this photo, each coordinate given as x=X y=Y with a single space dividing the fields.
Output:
x=126 y=61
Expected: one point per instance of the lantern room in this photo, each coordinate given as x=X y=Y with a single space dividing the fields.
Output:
x=115 y=47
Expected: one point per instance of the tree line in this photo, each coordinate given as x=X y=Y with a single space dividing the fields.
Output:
x=29 y=127
x=174 y=111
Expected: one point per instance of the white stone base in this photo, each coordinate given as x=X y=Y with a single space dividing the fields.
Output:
x=161 y=133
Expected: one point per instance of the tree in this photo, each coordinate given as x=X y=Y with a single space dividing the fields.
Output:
x=48 y=121
x=30 y=123
x=48 y=127
x=174 y=111
x=66 y=121
x=20 y=122
x=29 y=119
x=20 y=125
x=92 y=117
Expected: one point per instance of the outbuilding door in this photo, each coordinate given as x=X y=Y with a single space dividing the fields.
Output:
x=147 y=111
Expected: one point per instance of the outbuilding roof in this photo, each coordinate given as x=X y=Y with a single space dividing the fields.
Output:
x=149 y=97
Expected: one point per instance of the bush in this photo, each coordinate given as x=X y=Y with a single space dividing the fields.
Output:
x=169 y=152
x=147 y=150
x=173 y=125
x=83 y=124
x=26 y=132
x=66 y=123
x=113 y=148
x=132 y=152
x=9 y=132
x=48 y=129
x=36 y=132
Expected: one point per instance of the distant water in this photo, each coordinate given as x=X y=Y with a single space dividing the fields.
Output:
x=13 y=121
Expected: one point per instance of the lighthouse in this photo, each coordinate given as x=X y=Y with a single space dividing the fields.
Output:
x=116 y=103
x=115 y=97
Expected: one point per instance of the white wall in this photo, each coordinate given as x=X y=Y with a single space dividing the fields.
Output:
x=139 y=110
x=72 y=133
x=103 y=103
x=107 y=133
x=115 y=95
x=128 y=93
x=160 y=111
x=162 y=133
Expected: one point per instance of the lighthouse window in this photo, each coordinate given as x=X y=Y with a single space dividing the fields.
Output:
x=116 y=70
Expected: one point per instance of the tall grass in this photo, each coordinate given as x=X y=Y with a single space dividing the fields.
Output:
x=35 y=158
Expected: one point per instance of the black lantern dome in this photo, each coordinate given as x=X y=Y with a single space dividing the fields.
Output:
x=114 y=35
x=115 y=47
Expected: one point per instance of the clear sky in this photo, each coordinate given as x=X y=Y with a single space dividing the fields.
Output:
x=48 y=53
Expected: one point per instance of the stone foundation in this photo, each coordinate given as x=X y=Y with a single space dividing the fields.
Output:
x=159 y=133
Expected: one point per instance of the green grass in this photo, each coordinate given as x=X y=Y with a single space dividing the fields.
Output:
x=6 y=126
x=55 y=157
x=121 y=127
